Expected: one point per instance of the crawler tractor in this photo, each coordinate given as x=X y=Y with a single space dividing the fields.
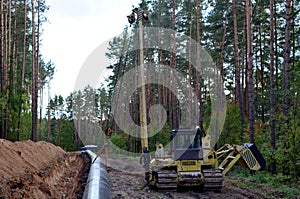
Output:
x=191 y=162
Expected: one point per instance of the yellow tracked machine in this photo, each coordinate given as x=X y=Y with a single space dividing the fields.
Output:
x=191 y=162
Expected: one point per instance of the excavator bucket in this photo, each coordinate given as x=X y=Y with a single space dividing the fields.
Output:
x=258 y=156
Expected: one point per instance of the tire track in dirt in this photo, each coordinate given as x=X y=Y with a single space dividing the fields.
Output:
x=127 y=181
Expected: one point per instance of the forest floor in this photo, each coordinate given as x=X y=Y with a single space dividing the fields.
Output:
x=127 y=181
x=41 y=170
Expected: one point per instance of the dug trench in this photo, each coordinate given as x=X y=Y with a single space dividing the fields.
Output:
x=41 y=170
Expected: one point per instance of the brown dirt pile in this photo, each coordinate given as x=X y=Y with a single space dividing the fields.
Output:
x=41 y=170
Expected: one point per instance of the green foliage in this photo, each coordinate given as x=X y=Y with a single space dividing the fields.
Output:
x=259 y=179
x=290 y=191
x=163 y=137
x=2 y=103
x=26 y=126
x=120 y=140
x=279 y=182
x=232 y=127
x=123 y=141
x=16 y=76
x=94 y=104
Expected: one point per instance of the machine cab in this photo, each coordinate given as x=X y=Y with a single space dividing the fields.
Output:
x=187 y=144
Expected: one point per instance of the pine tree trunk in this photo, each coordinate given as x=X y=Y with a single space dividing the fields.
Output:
x=244 y=71
x=250 y=68
x=8 y=45
x=148 y=86
x=286 y=80
x=22 y=70
x=1 y=67
x=276 y=61
x=198 y=83
x=14 y=62
x=286 y=69
x=48 y=115
x=34 y=78
x=272 y=94
x=160 y=61
x=7 y=68
x=256 y=77
x=262 y=80
x=174 y=106
x=240 y=96
x=159 y=87
x=5 y=35
x=190 y=99
x=39 y=83
x=14 y=57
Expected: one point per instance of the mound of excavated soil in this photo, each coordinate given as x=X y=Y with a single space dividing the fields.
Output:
x=41 y=170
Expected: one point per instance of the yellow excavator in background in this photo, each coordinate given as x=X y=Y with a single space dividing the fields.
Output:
x=192 y=162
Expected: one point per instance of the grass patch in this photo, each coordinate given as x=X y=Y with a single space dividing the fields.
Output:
x=279 y=182
x=290 y=191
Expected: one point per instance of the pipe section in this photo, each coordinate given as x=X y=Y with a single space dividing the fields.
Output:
x=98 y=184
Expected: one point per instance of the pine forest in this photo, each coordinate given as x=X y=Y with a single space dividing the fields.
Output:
x=254 y=47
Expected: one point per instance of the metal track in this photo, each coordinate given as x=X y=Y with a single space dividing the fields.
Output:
x=166 y=179
x=213 y=180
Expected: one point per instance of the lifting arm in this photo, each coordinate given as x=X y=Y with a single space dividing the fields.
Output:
x=248 y=156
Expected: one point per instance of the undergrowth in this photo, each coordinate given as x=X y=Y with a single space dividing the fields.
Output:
x=279 y=182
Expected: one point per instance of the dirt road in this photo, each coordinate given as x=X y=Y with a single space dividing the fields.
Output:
x=127 y=181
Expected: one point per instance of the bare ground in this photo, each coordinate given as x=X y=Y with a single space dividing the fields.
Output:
x=41 y=170
x=127 y=181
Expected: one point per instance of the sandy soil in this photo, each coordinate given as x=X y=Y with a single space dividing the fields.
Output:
x=41 y=170
x=127 y=181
